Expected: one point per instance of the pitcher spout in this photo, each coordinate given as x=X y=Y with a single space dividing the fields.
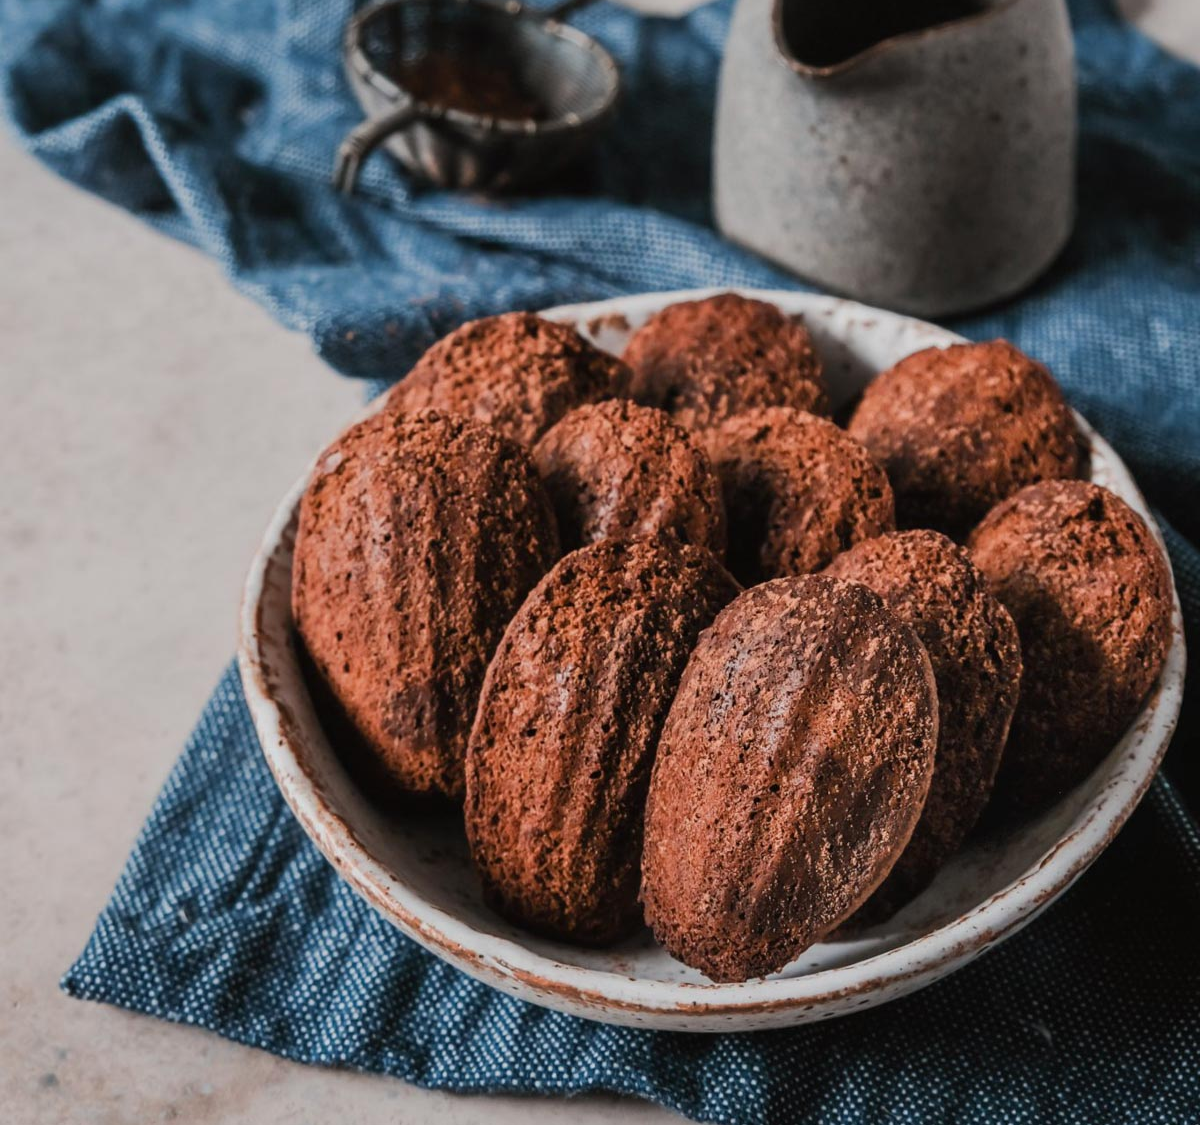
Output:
x=824 y=38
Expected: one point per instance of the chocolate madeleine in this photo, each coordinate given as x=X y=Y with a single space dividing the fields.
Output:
x=960 y=428
x=419 y=538
x=619 y=469
x=1090 y=591
x=704 y=361
x=797 y=490
x=791 y=772
x=568 y=722
x=930 y=584
x=518 y=372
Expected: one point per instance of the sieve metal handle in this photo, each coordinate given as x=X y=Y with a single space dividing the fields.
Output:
x=364 y=139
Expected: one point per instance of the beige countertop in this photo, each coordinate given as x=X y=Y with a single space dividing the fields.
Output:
x=151 y=418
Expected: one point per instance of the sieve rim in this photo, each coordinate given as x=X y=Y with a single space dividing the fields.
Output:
x=361 y=68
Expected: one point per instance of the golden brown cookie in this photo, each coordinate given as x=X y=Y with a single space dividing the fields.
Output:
x=568 y=723
x=618 y=469
x=960 y=428
x=931 y=585
x=1090 y=591
x=419 y=537
x=790 y=774
x=518 y=372
x=798 y=490
x=703 y=361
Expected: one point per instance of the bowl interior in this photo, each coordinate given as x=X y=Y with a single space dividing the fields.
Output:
x=486 y=60
x=417 y=872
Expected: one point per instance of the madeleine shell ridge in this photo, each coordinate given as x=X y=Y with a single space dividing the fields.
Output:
x=419 y=537
x=567 y=728
x=792 y=769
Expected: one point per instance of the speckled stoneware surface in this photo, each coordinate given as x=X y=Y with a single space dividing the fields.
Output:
x=931 y=173
x=416 y=872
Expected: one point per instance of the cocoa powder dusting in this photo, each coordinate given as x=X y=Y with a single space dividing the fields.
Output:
x=792 y=769
x=1090 y=592
x=471 y=82
x=930 y=584
x=568 y=725
x=419 y=537
x=798 y=490
x=619 y=469
x=518 y=372
x=960 y=428
x=704 y=361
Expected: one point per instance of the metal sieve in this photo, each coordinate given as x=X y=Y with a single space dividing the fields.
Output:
x=570 y=79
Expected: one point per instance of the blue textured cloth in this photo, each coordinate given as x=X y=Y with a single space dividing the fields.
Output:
x=215 y=120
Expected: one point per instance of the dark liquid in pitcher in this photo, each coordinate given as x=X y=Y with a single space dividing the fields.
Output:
x=824 y=33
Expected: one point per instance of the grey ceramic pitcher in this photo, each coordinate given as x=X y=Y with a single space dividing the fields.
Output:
x=917 y=154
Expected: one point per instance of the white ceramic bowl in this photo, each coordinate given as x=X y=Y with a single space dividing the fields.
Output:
x=417 y=874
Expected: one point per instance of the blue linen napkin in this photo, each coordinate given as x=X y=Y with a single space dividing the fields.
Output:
x=215 y=120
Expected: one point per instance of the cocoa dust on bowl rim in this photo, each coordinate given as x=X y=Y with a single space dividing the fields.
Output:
x=415 y=870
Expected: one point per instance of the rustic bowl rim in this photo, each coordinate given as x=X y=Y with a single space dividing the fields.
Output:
x=685 y=1005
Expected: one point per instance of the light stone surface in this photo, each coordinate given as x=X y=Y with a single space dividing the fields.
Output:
x=150 y=419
